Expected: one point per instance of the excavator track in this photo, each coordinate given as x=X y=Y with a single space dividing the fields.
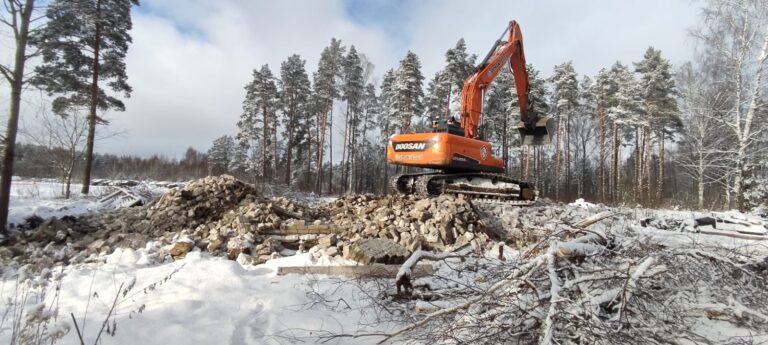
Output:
x=483 y=187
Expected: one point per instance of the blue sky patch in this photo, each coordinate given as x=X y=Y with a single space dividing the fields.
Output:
x=387 y=15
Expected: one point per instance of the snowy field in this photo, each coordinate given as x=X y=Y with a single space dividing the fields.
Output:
x=45 y=198
x=200 y=300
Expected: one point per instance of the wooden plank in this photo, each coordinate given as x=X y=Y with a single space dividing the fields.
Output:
x=734 y=234
x=369 y=271
x=323 y=229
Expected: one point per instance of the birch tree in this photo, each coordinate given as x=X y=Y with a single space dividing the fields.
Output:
x=734 y=34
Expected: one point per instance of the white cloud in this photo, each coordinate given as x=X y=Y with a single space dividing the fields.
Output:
x=188 y=73
x=190 y=59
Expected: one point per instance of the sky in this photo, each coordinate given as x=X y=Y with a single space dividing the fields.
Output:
x=190 y=59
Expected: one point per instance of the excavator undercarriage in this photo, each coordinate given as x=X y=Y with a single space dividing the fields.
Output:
x=477 y=185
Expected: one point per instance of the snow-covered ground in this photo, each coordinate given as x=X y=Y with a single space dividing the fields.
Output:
x=203 y=300
x=207 y=300
x=45 y=199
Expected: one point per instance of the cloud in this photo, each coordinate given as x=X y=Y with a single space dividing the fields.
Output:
x=594 y=34
x=190 y=59
x=189 y=62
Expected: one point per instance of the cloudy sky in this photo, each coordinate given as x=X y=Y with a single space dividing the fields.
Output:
x=190 y=59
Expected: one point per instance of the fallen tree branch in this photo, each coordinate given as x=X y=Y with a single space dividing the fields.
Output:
x=403 y=277
x=519 y=272
x=593 y=219
x=554 y=294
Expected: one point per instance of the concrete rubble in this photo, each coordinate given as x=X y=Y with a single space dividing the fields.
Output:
x=227 y=217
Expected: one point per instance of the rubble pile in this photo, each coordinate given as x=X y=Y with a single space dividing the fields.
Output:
x=433 y=223
x=227 y=217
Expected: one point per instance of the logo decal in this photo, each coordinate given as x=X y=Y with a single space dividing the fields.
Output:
x=410 y=146
x=483 y=152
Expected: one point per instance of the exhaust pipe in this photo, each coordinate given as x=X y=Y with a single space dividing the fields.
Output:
x=540 y=133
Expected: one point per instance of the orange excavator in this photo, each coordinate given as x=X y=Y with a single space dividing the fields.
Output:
x=461 y=161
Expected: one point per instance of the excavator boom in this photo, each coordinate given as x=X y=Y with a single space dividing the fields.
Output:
x=534 y=130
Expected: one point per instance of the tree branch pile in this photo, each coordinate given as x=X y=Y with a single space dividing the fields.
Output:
x=577 y=286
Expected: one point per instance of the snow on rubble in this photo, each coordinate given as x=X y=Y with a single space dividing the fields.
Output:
x=201 y=264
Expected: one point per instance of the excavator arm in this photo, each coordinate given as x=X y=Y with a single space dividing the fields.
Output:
x=534 y=130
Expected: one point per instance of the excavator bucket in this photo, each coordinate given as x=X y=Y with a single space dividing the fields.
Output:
x=538 y=134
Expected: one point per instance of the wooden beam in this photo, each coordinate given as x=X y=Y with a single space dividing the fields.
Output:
x=371 y=271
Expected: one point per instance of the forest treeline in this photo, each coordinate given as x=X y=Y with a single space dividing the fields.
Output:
x=637 y=132
x=643 y=132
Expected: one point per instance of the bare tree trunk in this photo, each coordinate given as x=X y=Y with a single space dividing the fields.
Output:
x=15 y=78
x=568 y=191
x=660 y=173
x=505 y=144
x=601 y=144
x=559 y=132
x=613 y=186
x=289 y=147
x=647 y=195
x=700 y=179
x=321 y=127
x=94 y=103
x=330 y=152
x=344 y=152
x=638 y=170
x=745 y=139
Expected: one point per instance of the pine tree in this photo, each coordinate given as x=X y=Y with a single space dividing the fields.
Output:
x=600 y=92
x=370 y=114
x=18 y=20
x=501 y=113
x=388 y=123
x=565 y=95
x=220 y=155
x=408 y=92
x=257 y=124
x=436 y=99
x=622 y=110
x=84 y=43
x=295 y=93
x=657 y=86
x=538 y=98
x=326 y=91
x=352 y=93
x=584 y=129
x=459 y=65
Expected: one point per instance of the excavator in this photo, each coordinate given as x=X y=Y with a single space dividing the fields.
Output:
x=461 y=162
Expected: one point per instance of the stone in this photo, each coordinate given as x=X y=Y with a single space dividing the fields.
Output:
x=422 y=205
x=97 y=244
x=369 y=251
x=327 y=241
x=180 y=249
x=331 y=251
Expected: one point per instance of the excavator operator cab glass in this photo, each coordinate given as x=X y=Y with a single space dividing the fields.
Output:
x=450 y=126
x=538 y=133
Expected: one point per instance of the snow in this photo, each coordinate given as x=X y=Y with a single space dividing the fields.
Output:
x=207 y=300
x=582 y=203
x=45 y=199
x=204 y=300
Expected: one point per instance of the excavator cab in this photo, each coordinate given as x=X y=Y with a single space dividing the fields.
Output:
x=538 y=132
